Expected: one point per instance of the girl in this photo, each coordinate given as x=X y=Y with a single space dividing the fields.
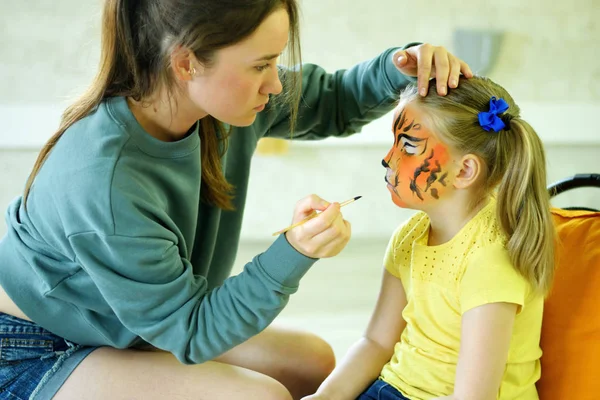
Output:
x=460 y=309
x=129 y=224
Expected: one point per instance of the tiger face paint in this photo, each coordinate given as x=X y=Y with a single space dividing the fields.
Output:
x=417 y=164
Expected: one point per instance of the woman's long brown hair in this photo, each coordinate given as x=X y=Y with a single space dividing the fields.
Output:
x=138 y=38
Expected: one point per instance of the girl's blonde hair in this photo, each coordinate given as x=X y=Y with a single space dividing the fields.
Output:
x=138 y=38
x=515 y=166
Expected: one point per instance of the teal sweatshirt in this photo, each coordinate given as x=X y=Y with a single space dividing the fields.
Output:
x=116 y=248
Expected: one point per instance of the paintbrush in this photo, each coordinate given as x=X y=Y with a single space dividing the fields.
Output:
x=312 y=215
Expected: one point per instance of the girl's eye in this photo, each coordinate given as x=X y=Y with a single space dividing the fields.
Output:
x=413 y=147
x=261 y=68
x=409 y=149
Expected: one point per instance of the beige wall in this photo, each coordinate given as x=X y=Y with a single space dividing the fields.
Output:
x=49 y=49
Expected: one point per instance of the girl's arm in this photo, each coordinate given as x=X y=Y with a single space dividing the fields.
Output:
x=365 y=359
x=485 y=341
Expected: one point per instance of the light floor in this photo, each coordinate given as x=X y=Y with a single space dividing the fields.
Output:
x=336 y=296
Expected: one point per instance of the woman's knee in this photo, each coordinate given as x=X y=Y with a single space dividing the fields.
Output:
x=321 y=359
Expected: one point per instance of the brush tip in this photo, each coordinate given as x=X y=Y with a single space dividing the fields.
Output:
x=357 y=197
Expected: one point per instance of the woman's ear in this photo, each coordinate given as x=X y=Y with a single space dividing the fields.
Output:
x=470 y=169
x=185 y=65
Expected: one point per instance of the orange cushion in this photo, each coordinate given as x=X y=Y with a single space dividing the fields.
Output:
x=571 y=326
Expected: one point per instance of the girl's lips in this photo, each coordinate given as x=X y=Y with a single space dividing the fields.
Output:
x=260 y=108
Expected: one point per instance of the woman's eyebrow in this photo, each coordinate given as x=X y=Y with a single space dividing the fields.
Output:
x=268 y=57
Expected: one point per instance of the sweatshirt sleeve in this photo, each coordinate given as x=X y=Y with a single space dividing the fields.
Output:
x=339 y=103
x=155 y=294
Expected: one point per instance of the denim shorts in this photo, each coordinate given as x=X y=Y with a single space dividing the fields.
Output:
x=34 y=363
x=380 y=390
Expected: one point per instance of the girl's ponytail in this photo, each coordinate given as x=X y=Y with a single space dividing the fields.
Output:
x=524 y=203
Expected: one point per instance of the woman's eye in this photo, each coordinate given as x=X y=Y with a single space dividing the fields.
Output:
x=261 y=68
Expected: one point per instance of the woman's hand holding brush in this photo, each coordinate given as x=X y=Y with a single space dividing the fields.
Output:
x=318 y=229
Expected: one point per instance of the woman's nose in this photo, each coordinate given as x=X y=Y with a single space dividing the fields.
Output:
x=274 y=85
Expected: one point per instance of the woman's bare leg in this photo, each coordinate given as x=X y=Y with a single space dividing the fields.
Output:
x=299 y=360
x=258 y=368
x=109 y=373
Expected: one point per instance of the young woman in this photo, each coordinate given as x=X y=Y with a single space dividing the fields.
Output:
x=116 y=262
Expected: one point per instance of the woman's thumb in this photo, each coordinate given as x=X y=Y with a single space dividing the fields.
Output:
x=400 y=58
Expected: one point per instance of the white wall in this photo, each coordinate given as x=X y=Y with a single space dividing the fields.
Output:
x=548 y=60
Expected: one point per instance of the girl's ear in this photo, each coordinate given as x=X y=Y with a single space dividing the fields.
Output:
x=470 y=169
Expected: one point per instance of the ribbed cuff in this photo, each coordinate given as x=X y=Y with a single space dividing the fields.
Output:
x=285 y=264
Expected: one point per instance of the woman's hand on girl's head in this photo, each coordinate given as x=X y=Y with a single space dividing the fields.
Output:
x=323 y=236
x=426 y=61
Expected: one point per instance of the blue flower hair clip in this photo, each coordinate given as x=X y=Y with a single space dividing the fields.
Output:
x=490 y=119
